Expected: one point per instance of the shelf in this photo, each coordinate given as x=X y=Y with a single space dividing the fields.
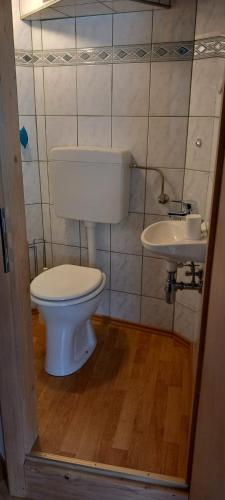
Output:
x=61 y=9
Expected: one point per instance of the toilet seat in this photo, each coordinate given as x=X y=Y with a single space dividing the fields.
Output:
x=67 y=285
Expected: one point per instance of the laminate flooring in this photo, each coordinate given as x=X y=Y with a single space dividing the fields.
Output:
x=129 y=406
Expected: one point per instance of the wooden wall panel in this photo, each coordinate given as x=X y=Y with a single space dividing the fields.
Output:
x=56 y=482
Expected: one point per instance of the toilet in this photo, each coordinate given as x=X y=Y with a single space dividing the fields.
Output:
x=92 y=185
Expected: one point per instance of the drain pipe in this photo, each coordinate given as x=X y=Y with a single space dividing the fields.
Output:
x=91 y=241
x=172 y=285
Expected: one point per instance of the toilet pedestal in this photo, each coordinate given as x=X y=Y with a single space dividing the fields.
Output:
x=67 y=350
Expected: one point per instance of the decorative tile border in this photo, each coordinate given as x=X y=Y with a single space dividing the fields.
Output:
x=210 y=47
x=132 y=53
x=179 y=51
x=97 y=55
x=24 y=58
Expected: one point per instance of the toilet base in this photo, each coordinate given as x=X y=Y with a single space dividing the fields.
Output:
x=71 y=351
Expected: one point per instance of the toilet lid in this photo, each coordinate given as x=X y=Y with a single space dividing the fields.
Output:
x=66 y=282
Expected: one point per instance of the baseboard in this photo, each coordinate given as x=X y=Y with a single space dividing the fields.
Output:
x=124 y=324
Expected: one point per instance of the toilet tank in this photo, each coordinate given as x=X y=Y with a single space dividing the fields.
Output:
x=90 y=184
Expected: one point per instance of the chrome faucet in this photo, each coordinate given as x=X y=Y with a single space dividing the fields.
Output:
x=181 y=208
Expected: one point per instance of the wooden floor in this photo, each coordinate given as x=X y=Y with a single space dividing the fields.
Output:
x=129 y=406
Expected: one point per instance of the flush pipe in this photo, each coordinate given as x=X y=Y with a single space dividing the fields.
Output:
x=91 y=241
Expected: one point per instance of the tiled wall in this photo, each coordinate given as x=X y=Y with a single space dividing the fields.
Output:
x=130 y=89
x=204 y=122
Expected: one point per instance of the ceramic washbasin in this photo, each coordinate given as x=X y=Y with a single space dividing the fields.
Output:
x=168 y=239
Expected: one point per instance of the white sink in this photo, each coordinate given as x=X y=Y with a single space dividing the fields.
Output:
x=168 y=239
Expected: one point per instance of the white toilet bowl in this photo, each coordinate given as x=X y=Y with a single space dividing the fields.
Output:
x=67 y=296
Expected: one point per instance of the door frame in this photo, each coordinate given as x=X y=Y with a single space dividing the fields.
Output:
x=30 y=475
x=207 y=458
x=17 y=388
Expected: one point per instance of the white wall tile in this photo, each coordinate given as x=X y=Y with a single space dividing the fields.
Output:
x=187 y=323
x=156 y=313
x=131 y=133
x=137 y=190
x=63 y=254
x=199 y=158
x=94 y=89
x=126 y=236
x=36 y=35
x=41 y=256
x=104 y=306
x=61 y=131
x=136 y=78
x=29 y=153
x=175 y=24
x=167 y=140
x=65 y=231
x=34 y=222
x=31 y=182
x=209 y=199
x=46 y=222
x=195 y=188
x=50 y=184
x=126 y=273
x=132 y=28
x=43 y=166
x=48 y=254
x=102 y=263
x=58 y=34
x=22 y=34
x=102 y=236
x=94 y=31
x=154 y=276
x=215 y=145
x=173 y=187
x=94 y=131
x=207 y=87
x=25 y=90
x=170 y=88
x=210 y=18
x=38 y=260
x=39 y=90
x=41 y=138
x=60 y=90
x=125 y=306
